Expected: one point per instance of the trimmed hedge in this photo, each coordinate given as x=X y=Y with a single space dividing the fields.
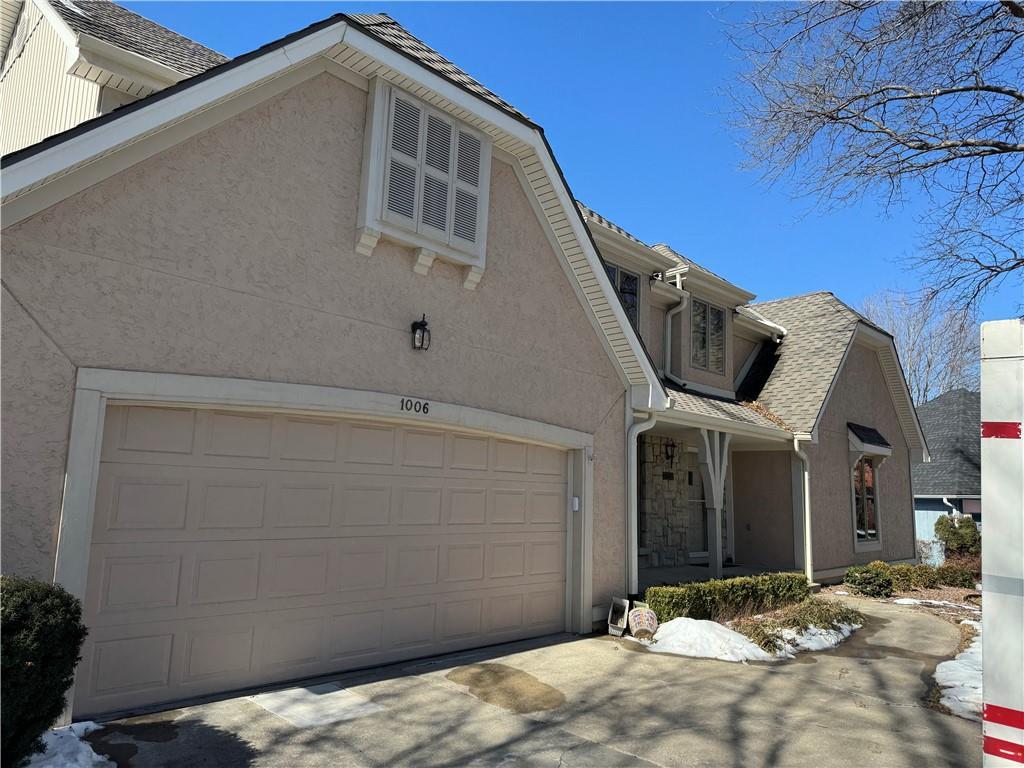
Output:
x=955 y=576
x=42 y=633
x=723 y=599
x=868 y=580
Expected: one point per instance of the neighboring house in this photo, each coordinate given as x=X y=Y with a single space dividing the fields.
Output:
x=951 y=482
x=217 y=430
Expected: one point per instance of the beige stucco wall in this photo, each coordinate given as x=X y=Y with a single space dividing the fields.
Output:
x=860 y=396
x=654 y=338
x=39 y=97
x=232 y=255
x=763 y=508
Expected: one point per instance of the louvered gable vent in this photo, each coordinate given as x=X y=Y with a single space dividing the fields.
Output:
x=433 y=173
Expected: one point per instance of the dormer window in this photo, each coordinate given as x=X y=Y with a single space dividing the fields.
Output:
x=707 y=337
x=426 y=180
x=627 y=285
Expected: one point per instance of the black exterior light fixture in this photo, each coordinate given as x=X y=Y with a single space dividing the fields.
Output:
x=421 y=334
x=670 y=452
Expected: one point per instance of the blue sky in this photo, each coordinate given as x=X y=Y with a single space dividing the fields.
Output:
x=631 y=97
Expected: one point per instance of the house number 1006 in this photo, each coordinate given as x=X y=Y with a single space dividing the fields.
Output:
x=416 y=406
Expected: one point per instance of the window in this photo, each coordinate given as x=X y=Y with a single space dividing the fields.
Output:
x=865 y=501
x=425 y=179
x=707 y=337
x=627 y=285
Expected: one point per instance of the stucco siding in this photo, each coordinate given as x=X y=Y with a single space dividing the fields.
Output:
x=763 y=508
x=860 y=396
x=654 y=338
x=38 y=385
x=232 y=254
x=40 y=98
x=742 y=348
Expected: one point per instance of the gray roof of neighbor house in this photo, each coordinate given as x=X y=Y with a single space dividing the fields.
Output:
x=590 y=213
x=792 y=379
x=118 y=26
x=952 y=427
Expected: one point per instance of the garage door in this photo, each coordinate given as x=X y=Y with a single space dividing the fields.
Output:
x=231 y=549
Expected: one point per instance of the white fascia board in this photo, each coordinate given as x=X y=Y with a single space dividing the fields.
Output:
x=28 y=173
x=676 y=417
x=640 y=256
x=117 y=61
x=760 y=327
x=64 y=32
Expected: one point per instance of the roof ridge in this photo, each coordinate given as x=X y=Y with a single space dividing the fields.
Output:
x=791 y=298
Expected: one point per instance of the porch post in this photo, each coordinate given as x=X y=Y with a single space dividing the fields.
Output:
x=713 y=453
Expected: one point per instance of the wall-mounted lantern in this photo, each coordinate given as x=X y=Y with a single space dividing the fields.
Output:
x=670 y=452
x=421 y=334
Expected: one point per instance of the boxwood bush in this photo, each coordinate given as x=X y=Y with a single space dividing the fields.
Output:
x=955 y=576
x=42 y=633
x=961 y=536
x=723 y=599
x=868 y=580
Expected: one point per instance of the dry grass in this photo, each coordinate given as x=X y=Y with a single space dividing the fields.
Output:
x=765 y=630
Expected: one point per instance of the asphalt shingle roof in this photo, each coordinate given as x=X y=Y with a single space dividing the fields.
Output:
x=792 y=379
x=590 y=213
x=718 y=407
x=383 y=27
x=118 y=26
x=952 y=426
x=868 y=435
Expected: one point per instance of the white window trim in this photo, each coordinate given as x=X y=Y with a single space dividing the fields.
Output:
x=371 y=221
x=707 y=334
x=871 y=545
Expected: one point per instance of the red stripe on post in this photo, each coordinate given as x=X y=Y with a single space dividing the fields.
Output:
x=1005 y=429
x=1004 y=716
x=1004 y=749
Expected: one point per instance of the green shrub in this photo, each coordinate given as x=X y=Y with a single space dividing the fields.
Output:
x=925 y=576
x=865 y=580
x=903 y=576
x=880 y=565
x=955 y=576
x=722 y=599
x=42 y=633
x=960 y=535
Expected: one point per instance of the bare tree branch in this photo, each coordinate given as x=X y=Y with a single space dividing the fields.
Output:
x=856 y=97
x=938 y=347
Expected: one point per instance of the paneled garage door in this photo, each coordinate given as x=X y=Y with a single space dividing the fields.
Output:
x=234 y=548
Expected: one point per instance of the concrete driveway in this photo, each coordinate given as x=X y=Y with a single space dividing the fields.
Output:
x=593 y=702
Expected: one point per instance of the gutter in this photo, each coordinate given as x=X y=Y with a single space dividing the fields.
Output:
x=806 y=491
x=632 y=496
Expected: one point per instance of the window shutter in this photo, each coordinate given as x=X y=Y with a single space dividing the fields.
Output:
x=400 y=198
x=434 y=216
x=466 y=214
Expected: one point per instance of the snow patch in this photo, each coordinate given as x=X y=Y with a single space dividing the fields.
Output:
x=914 y=601
x=65 y=748
x=841 y=592
x=816 y=638
x=960 y=679
x=710 y=640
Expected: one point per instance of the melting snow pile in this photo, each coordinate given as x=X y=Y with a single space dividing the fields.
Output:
x=960 y=679
x=65 y=749
x=711 y=640
x=815 y=638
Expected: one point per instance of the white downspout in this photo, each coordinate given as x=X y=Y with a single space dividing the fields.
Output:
x=632 y=492
x=667 y=335
x=806 y=490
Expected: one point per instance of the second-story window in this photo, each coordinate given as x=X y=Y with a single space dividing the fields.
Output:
x=707 y=337
x=627 y=285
